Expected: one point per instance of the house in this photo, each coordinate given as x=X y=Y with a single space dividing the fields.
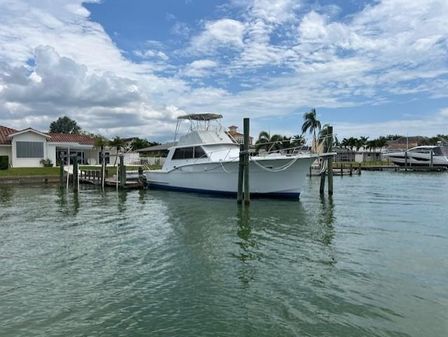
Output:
x=238 y=137
x=404 y=143
x=359 y=156
x=28 y=147
x=155 y=154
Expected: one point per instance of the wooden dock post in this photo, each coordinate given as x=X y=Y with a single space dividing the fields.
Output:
x=122 y=172
x=351 y=169
x=75 y=174
x=359 y=169
x=322 y=179
x=239 y=197
x=246 y=125
x=103 y=169
x=431 y=163
x=330 y=160
x=406 y=160
x=342 y=170
x=61 y=169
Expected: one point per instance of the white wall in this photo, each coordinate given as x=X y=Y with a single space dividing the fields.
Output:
x=51 y=153
x=28 y=162
x=92 y=156
x=5 y=150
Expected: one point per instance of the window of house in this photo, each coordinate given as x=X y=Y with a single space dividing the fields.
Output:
x=29 y=149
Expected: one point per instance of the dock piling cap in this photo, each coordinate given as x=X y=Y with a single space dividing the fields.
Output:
x=201 y=117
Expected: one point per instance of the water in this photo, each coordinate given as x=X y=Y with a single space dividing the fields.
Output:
x=372 y=261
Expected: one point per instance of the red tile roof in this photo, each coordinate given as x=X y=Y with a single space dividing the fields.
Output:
x=69 y=138
x=55 y=137
x=4 y=133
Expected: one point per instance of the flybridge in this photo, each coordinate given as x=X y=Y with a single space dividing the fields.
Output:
x=200 y=122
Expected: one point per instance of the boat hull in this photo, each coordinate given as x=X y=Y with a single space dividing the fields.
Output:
x=273 y=178
x=417 y=160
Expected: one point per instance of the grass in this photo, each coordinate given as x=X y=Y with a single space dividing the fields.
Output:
x=29 y=171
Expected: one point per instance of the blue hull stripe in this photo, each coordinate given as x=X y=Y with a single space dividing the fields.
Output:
x=224 y=193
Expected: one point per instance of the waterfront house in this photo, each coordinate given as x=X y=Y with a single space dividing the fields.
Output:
x=28 y=147
x=237 y=136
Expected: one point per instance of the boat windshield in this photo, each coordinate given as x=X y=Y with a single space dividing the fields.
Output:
x=437 y=151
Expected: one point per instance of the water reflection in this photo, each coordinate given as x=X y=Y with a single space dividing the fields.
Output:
x=6 y=194
x=67 y=201
x=327 y=219
x=122 y=198
x=248 y=245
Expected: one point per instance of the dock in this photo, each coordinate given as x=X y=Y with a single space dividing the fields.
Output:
x=134 y=180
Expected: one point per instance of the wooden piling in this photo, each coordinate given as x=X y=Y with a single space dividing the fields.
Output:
x=122 y=172
x=103 y=169
x=406 y=160
x=431 y=163
x=342 y=170
x=239 y=197
x=322 y=180
x=246 y=125
x=351 y=169
x=330 y=161
x=75 y=174
x=61 y=170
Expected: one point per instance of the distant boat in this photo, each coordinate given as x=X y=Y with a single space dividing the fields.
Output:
x=206 y=160
x=419 y=156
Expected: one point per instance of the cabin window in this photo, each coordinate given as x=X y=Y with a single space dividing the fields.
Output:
x=437 y=151
x=199 y=152
x=183 y=153
x=29 y=149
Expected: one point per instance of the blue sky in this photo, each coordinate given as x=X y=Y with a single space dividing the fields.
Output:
x=131 y=67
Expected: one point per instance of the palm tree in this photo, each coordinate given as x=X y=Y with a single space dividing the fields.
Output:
x=297 y=141
x=101 y=142
x=263 y=141
x=117 y=143
x=325 y=138
x=311 y=124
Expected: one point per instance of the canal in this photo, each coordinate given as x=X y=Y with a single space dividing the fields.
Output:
x=371 y=261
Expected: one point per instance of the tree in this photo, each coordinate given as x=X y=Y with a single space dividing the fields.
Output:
x=139 y=143
x=297 y=141
x=263 y=141
x=101 y=142
x=64 y=125
x=118 y=144
x=325 y=138
x=311 y=124
x=277 y=142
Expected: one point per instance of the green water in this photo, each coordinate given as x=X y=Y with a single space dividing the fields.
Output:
x=371 y=261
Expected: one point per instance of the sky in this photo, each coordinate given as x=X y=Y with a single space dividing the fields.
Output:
x=131 y=67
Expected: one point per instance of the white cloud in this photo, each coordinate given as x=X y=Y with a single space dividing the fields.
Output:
x=444 y=112
x=151 y=54
x=222 y=33
x=276 y=12
x=55 y=60
x=199 y=68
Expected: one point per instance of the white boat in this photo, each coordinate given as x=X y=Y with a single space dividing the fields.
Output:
x=419 y=156
x=206 y=160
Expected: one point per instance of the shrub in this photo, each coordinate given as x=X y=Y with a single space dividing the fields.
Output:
x=46 y=163
x=4 y=162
